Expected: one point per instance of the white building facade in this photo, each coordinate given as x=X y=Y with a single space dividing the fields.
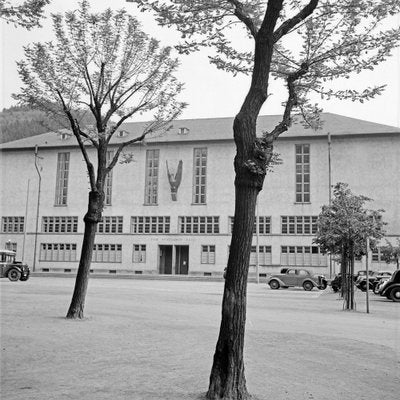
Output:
x=170 y=210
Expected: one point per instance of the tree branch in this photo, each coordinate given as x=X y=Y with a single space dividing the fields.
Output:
x=77 y=131
x=245 y=18
x=291 y=102
x=292 y=22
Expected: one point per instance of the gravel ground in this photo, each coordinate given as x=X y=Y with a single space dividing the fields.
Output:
x=154 y=340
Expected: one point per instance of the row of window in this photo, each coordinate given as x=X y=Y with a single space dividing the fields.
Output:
x=290 y=255
x=293 y=225
x=199 y=180
x=112 y=253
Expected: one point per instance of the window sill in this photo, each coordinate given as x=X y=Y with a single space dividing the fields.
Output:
x=150 y=205
x=198 y=204
x=302 y=202
x=60 y=205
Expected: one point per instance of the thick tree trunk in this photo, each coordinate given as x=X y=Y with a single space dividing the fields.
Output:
x=227 y=378
x=92 y=217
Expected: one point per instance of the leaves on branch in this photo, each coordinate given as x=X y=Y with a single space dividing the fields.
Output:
x=347 y=221
x=103 y=63
x=27 y=15
x=336 y=40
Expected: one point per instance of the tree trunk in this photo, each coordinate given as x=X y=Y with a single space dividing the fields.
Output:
x=343 y=271
x=227 y=378
x=352 y=277
x=92 y=217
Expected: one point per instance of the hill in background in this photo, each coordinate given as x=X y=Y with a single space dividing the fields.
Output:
x=20 y=122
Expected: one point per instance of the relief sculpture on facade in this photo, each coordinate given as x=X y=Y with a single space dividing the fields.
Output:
x=175 y=180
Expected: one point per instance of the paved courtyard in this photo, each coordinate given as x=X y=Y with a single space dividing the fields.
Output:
x=155 y=340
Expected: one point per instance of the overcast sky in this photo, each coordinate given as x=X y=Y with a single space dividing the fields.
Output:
x=209 y=92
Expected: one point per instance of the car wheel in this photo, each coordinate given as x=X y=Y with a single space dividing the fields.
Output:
x=308 y=286
x=24 y=278
x=14 y=275
x=363 y=286
x=274 y=284
x=395 y=294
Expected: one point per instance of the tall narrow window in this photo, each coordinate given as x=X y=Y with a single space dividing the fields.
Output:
x=199 y=175
x=108 y=182
x=62 y=179
x=302 y=173
x=151 y=185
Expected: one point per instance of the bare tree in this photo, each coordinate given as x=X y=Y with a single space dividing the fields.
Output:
x=106 y=64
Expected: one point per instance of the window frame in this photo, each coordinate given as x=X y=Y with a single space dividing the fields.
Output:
x=151 y=177
x=199 y=183
x=198 y=225
x=13 y=224
x=208 y=254
x=139 y=255
x=302 y=173
x=62 y=176
x=150 y=224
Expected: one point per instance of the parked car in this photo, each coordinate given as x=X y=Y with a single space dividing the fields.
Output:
x=379 y=286
x=11 y=269
x=361 y=279
x=380 y=277
x=291 y=277
x=336 y=282
x=391 y=288
x=373 y=278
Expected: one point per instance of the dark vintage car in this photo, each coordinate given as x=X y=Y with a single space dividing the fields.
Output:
x=391 y=288
x=373 y=279
x=291 y=277
x=11 y=269
x=336 y=282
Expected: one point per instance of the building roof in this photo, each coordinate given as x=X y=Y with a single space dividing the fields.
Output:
x=210 y=129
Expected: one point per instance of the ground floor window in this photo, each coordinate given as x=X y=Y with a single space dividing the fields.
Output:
x=11 y=246
x=208 y=254
x=107 y=253
x=264 y=255
x=57 y=252
x=303 y=256
x=139 y=253
x=377 y=255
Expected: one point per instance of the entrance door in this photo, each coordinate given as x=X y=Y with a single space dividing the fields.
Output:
x=182 y=260
x=165 y=259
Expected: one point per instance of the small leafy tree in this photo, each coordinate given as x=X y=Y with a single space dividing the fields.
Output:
x=105 y=63
x=306 y=44
x=343 y=228
x=27 y=15
x=391 y=253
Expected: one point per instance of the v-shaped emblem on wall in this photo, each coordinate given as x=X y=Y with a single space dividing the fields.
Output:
x=175 y=180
